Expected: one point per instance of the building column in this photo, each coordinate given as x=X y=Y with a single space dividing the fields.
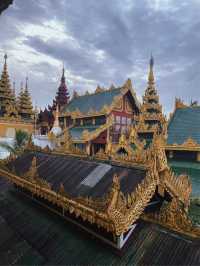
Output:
x=198 y=156
x=65 y=122
x=171 y=154
x=88 y=145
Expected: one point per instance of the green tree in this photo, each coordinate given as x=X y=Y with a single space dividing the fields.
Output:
x=20 y=141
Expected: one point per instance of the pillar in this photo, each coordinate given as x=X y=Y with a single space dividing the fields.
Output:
x=198 y=156
x=88 y=145
x=171 y=154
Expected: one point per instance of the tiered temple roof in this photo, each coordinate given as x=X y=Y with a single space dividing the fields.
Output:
x=99 y=102
x=62 y=97
x=6 y=96
x=151 y=119
x=19 y=109
x=25 y=107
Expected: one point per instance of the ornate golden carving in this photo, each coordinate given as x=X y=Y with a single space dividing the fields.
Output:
x=116 y=212
x=99 y=89
x=179 y=104
x=174 y=216
x=190 y=145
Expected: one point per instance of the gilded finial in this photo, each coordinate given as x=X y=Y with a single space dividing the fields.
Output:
x=151 y=75
x=63 y=70
x=75 y=94
x=151 y=61
x=26 y=86
x=21 y=85
x=128 y=84
x=5 y=57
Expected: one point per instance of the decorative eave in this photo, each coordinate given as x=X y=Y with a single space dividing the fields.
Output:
x=116 y=212
x=189 y=145
x=179 y=104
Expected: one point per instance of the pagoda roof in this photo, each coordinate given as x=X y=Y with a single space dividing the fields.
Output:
x=184 y=125
x=96 y=101
x=31 y=235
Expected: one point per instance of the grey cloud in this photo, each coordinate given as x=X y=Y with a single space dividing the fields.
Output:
x=126 y=34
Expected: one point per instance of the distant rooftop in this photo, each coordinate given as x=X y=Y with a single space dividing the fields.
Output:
x=184 y=124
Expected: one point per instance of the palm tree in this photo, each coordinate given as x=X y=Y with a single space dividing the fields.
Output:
x=21 y=138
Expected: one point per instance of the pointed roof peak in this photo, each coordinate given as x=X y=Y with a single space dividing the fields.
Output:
x=63 y=72
x=21 y=86
x=128 y=84
x=151 y=74
x=151 y=62
x=5 y=58
x=26 y=84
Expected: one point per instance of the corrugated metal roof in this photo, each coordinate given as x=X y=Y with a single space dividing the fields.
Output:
x=32 y=235
x=72 y=172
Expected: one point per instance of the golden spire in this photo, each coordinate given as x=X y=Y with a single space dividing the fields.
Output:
x=128 y=84
x=151 y=75
x=5 y=62
x=26 y=84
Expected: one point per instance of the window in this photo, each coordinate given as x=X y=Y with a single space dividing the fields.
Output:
x=128 y=121
x=124 y=129
x=117 y=128
x=118 y=119
x=124 y=120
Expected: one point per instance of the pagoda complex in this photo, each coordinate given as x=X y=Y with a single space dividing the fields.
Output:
x=14 y=113
x=100 y=121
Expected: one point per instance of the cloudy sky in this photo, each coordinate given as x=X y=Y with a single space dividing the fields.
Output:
x=103 y=42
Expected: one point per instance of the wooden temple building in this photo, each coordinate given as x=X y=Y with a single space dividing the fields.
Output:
x=95 y=119
x=15 y=112
x=107 y=116
x=183 y=142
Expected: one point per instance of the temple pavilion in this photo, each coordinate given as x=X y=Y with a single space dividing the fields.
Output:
x=95 y=119
x=15 y=112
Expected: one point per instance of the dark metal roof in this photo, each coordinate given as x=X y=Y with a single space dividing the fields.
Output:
x=32 y=235
x=80 y=177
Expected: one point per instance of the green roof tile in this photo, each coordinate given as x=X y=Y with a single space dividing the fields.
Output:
x=185 y=123
x=76 y=132
x=92 y=101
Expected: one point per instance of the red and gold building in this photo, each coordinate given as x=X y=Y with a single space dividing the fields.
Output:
x=95 y=119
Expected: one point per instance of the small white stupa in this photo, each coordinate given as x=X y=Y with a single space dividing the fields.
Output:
x=56 y=129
